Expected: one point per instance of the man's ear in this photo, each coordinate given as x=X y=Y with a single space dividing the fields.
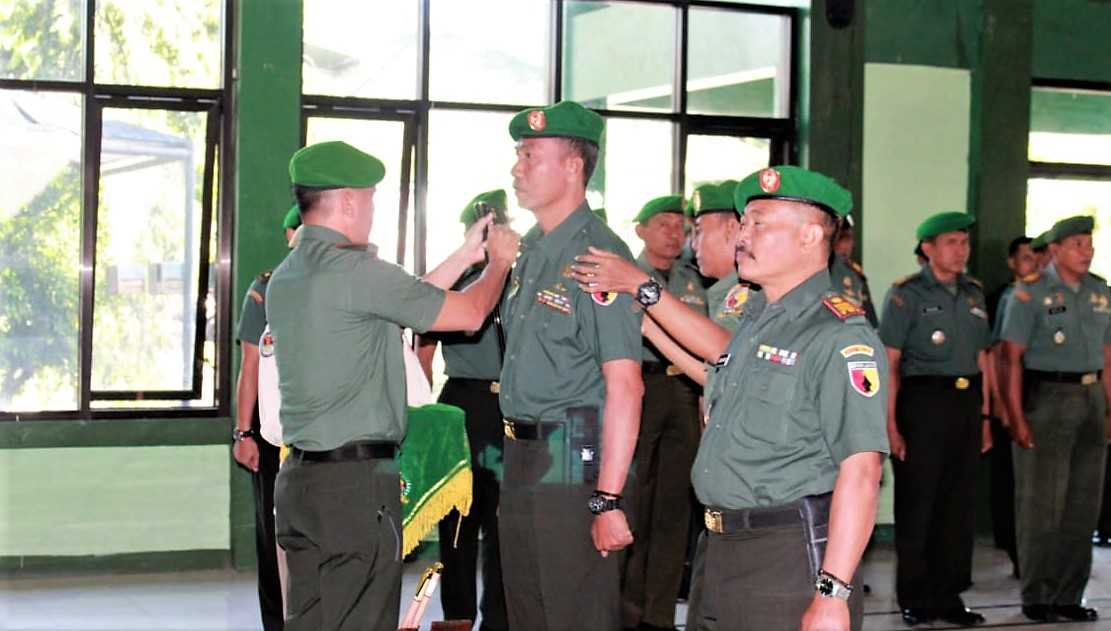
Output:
x=640 y=231
x=811 y=235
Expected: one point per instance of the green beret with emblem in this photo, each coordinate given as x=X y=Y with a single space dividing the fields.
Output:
x=1070 y=226
x=565 y=119
x=1040 y=242
x=942 y=223
x=713 y=198
x=335 y=164
x=794 y=184
x=292 y=218
x=601 y=213
x=665 y=204
x=495 y=199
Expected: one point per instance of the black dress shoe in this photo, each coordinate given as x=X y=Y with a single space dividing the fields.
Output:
x=1038 y=613
x=1076 y=612
x=960 y=616
x=917 y=615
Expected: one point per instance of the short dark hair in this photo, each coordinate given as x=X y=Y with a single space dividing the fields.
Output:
x=588 y=151
x=1017 y=243
x=918 y=251
x=308 y=196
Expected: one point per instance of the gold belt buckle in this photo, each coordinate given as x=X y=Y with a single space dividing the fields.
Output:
x=507 y=426
x=1089 y=378
x=963 y=383
x=495 y=387
x=673 y=370
x=713 y=521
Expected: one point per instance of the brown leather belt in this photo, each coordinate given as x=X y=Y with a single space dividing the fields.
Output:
x=1083 y=378
x=528 y=430
x=724 y=521
x=348 y=453
x=958 y=382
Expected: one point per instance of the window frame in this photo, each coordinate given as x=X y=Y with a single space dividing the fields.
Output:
x=1069 y=170
x=220 y=216
x=781 y=132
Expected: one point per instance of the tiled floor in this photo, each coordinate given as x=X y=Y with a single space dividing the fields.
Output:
x=224 y=600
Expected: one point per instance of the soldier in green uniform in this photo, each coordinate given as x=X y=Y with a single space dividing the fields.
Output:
x=1057 y=345
x=716 y=223
x=335 y=311
x=793 y=449
x=570 y=390
x=1040 y=246
x=847 y=274
x=668 y=438
x=936 y=333
x=472 y=362
x=250 y=449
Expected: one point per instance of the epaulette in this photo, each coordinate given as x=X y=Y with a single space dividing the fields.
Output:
x=906 y=279
x=353 y=246
x=857 y=268
x=841 y=306
x=1032 y=277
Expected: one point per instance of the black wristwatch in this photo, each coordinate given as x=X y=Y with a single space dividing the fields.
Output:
x=648 y=293
x=601 y=502
x=238 y=434
x=829 y=586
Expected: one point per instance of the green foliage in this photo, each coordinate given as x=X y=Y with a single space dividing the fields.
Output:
x=41 y=39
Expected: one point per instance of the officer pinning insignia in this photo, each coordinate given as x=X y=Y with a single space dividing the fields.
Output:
x=937 y=337
x=842 y=307
x=777 y=355
x=864 y=376
x=554 y=300
x=604 y=298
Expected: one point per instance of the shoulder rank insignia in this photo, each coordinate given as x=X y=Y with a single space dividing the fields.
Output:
x=842 y=307
x=856 y=267
x=1032 y=277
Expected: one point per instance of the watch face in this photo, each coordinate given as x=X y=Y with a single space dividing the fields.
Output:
x=825 y=587
x=595 y=504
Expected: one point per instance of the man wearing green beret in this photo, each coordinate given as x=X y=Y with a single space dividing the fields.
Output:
x=1040 y=245
x=793 y=448
x=335 y=312
x=250 y=449
x=1057 y=349
x=668 y=437
x=936 y=334
x=847 y=274
x=472 y=362
x=570 y=391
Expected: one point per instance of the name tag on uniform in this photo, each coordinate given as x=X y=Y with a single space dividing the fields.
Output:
x=931 y=309
x=979 y=313
x=723 y=361
x=1057 y=309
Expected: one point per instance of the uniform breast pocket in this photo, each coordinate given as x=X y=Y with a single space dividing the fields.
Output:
x=770 y=392
x=932 y=338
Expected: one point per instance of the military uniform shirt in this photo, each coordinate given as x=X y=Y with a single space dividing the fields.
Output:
x=335 y=310
x=1061 y=329
x=470 y=355
x=798 y=390
x=725 y=300
x=252 y=319
x=938 y=333
x=848 y=278
x=1000 y=312
x=557 y=336
x=684 y=283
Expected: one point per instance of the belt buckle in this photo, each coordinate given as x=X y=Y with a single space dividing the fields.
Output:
x=495 y=387
x=962 y=383
x=673 y=370
x=713 y=521
x=1089 y=378
x=510 y=432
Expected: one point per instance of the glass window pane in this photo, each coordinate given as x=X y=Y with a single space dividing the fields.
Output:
x=42 y=39
x=40 y=246
x=619 y=55
x=715 y=158
x=1050 y=200
x=148 y=231
x=385 y=141
x=634 y=168
x=468 y=153
x=174 y=43
x=751 y=75
x=472 y=63
x=359 y=48
x=1070 y=126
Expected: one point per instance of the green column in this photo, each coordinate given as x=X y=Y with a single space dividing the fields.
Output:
x=268 y=131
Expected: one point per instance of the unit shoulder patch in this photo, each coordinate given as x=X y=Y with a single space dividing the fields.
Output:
x=842 y=307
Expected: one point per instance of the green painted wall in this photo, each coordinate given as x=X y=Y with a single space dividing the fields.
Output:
x=1070 y=40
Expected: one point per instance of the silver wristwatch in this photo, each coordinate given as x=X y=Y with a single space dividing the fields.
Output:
x=829 y=586
x=648 y=293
